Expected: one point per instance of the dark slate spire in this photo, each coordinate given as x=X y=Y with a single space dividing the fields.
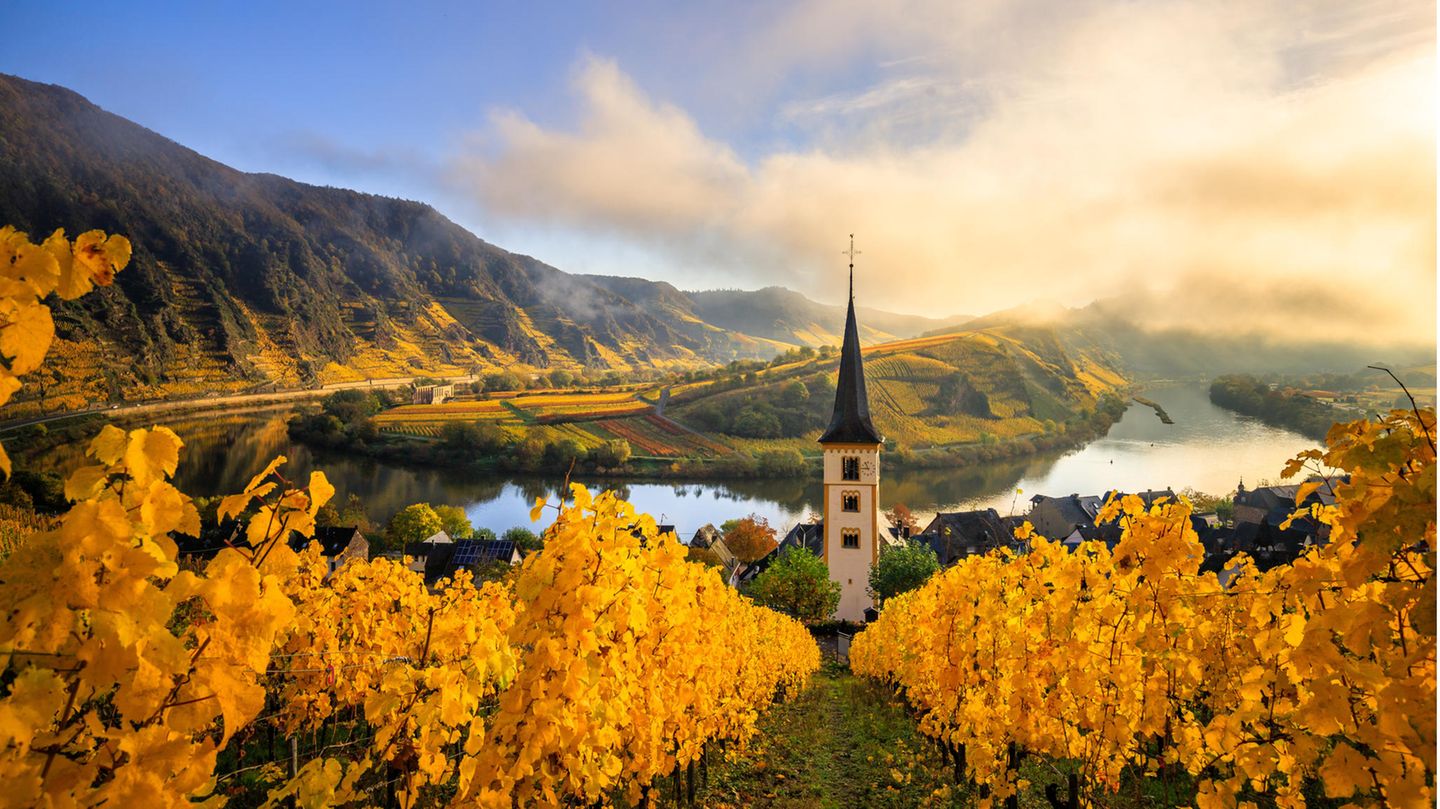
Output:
x=851 y=422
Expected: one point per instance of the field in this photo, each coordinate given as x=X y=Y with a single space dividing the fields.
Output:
x=590 y=419
x=952 y=389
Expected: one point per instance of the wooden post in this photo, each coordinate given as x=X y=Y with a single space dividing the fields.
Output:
x=294 y=757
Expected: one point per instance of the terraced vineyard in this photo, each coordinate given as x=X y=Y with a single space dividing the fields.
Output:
x=590 y=419
x=961 y=388
x=969 y=387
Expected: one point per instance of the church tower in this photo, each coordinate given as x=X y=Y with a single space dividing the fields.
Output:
x=851 y=449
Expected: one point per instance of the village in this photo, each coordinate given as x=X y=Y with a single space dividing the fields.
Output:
x=848 y=536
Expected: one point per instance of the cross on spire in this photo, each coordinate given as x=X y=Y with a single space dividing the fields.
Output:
x=852 y=253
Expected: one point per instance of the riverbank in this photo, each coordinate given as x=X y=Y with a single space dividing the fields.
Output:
x=476 y=451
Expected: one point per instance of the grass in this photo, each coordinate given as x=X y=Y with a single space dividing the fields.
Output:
x=849 y=742
x=845 y=742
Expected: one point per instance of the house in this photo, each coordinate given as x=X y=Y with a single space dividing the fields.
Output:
x=807 y=535
x=709 y=538
x=433 y=394
x=955 y=535
x=1059 y=518
x=1260 y=512
x=444 y=559
x=1267 y=502
x=338 y=544
x=1072 y=520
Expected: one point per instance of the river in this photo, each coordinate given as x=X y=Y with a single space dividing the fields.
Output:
x=1207 y=448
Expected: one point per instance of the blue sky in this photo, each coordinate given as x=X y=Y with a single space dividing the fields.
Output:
x=987 y=153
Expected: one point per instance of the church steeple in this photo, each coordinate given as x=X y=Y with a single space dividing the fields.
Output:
x=850 y=423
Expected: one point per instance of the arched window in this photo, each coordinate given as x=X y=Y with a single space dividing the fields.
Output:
x=849 y=468
x=850 y=501
x=850 y=537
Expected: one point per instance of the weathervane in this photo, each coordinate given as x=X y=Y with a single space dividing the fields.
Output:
x=852 y=253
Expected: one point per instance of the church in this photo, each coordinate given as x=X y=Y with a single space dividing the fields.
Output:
x=851 y=449
x=848 y=537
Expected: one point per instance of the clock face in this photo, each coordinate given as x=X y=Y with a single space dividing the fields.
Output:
x=867 y=466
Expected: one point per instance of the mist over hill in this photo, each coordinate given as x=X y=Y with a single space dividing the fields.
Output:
x=1147 y=347
x=241 y=280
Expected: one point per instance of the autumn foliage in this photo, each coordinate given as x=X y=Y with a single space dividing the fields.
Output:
x=749 y=538
x=1313 y=677
x=125 y=681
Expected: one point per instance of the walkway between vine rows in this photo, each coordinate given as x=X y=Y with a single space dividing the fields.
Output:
x=844 y=743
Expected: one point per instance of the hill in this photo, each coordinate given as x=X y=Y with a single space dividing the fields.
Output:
x=1156 y=350
x=996 y=392
x=251 y=280
x=972 y=386
x=786 y=316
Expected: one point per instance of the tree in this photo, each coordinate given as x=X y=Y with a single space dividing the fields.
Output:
x=797 y=584
x=902 y=520
x=454 y=522
x=901 y=570
x=351 y=513
x=749 y=538
x=351 y=406
x=503 y=380
x=782 y=463
x=612 y=453
x=412 y=524
x=563 y=453
x=478 y=438
x=524 y=539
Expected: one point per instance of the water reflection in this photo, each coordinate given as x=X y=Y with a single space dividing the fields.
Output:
x=1207 y=448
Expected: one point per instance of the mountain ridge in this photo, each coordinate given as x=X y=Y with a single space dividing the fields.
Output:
x=243 y=280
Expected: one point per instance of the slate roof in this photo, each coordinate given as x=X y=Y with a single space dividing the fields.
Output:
x=445 y=558
x=952 y=534
x=333 y=539
x=808 y=535
x=1269 y=498
x=850 y=423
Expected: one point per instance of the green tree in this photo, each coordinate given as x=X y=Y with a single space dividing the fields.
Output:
x=782 y=463
x=454 y=522
x=412 y=524
x=798 y=584
x=478 y=438
x=503 y=380
x=524 y=539
x=351 y=512
x=562 y=453
x=611 y=454
x=351 y=406
x=901 y=570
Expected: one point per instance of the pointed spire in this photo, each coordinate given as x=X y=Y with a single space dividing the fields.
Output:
x=850 y=423
x=852 y=269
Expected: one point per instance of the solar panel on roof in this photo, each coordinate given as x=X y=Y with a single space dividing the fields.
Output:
x=467 y=552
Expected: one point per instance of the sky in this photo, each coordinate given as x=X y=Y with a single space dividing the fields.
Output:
x=1241 y=165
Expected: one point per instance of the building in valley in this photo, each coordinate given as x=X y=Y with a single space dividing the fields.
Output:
x=851 y=449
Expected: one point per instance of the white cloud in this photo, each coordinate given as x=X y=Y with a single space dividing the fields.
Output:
x=1008 y=153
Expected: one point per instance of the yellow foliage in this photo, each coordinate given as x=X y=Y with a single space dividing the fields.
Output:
x=1132 y=657
x=125 y=677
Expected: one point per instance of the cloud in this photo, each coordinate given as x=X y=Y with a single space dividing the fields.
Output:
x=1000 y=154
x=632 y=164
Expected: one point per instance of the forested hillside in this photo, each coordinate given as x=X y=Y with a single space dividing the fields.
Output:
x=245 y=280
